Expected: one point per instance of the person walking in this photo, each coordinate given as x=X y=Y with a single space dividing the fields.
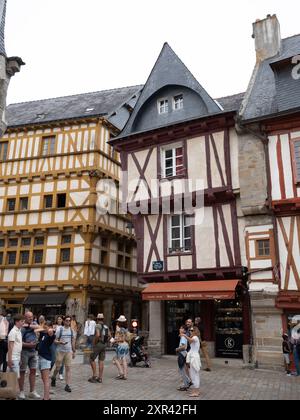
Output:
x=29 y=356
x=46 y=340
x=182 y=354
x=193 y=360
x=287 y=350
x=101 y=338
x=89 y=331
x=15 y=345
x=122 y=352
x=295 y=340
x=3 y=340
x=66 y=351
x=203 y=344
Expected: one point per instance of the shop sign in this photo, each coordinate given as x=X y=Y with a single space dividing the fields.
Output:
x=230 y=346
x=158 y=266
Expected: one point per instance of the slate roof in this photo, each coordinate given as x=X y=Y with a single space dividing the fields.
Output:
x=261 y=99
x=231 y=103
x=102 y=103
x=169 y=70
x=2 y=26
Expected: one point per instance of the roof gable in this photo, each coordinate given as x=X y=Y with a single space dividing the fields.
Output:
x=169 y=72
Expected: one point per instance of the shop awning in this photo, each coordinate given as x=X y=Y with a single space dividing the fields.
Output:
x=52 y=299
x=198 y=290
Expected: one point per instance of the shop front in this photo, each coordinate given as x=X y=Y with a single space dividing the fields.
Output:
x=222 y=305
x=48 y=304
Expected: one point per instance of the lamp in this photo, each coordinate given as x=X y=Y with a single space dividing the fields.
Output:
x=130 y=227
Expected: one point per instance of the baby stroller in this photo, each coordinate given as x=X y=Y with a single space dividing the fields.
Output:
x=137 y=352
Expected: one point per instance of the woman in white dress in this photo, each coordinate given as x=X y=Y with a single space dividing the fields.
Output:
x=193 y=360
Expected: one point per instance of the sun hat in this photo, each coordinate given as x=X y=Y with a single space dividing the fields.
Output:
x=100 y=316
x=122 y=319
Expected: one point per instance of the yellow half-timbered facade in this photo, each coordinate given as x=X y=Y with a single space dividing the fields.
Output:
x=57 y=252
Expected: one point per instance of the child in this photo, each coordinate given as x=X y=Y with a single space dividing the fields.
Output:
x=286 y=349
x=122 y=351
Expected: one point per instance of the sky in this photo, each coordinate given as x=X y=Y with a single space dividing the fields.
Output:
x=78 y=46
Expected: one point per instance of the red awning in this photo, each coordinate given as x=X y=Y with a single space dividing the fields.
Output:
x=198 y=290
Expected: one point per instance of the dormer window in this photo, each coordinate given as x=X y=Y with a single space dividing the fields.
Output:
x=163 y=106
x=177 y=102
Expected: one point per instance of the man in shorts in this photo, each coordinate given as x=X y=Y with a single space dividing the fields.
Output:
x=102 y=335
x=29 y=357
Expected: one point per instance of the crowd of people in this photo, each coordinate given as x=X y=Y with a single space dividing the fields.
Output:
x=28 y=344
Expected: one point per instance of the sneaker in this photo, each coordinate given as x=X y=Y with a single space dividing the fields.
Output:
x=22 y=396
x=61 y=378
x=34 y=395
x=189 y=385
x=53 y=382
x=93 y=380
x=208 y=370
x=182 y=388
x=37 y=374
x=68 y=389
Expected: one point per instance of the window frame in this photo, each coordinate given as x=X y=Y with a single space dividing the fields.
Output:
x=159 y=106
x=180 y=95
x=44 y=201
x=182 y=226
x=4 y=146
x=20 y=203
x=263 y=257
x=296 y=177
x=173 y=147
x=57 y=198
x=7 y=205
x=49 y=151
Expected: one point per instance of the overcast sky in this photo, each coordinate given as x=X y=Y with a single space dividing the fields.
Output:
x=77 y=46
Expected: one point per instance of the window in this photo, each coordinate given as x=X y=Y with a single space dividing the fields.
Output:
x=24 y=203
x=13 y=242
x=24 y=257
x=128 y=248
x=48 y=145
x=26 y=241
x=11 y=258
x=120 y=261
x=61 y=200
x=173 y=162
x=39 y=241
x=178 y=102
x=121 y=246
x=104 y=257
x=1 y=258
x=66 y=239
x=127 y=263
x=2 y=243
x=163 y=106
x=263 y=248
x=3 y=151
x=11 y=204
x=180 y=234
x=65 y=255
x=296 y=150
x=38 y=257
x=48 y=201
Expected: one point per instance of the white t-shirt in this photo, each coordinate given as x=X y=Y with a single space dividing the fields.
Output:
x=195 y=344
x=89 y=328
x=15 y=336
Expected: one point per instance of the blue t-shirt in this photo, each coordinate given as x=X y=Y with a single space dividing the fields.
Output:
x=44 y=345
x=183 y=342
x=29 y=336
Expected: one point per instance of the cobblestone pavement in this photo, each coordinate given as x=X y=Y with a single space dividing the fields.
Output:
x=161 y=380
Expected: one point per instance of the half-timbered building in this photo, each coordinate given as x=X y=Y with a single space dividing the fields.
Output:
x=270 y=116
x=190 y=259
x=58 y=253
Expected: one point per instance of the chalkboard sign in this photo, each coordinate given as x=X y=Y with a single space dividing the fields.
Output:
x=158 y=265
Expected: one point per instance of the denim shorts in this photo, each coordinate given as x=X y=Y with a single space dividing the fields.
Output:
x=28 y=359
x=44 y=364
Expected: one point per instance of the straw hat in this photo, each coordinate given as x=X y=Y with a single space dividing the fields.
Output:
x=100 y=316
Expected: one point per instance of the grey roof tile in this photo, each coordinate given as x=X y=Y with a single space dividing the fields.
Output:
x=261 y=99
x=102 y=103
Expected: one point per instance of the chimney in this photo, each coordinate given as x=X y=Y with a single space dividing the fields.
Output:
x=267 y=37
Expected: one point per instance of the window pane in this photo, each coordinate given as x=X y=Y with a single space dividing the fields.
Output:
x=121 y=246
x=39 y=241
x=2 y=243
x=1 y=258
x=176 y=233
x=169 y=172
x=169 y=154
x=24 y=203
x=104 y=257
x=48 y=201
x=176 y=220
x=187 y=232
x=11 y=204
x=104 y=242
x=25 y=257
x=66 y=239
x=13 y=242
x=38 y=257
x=176 y=245
x=26 y=241
x=179 y=151
x=187 y=245
x=61 y=200
x=65 y=255
x=3 y=151
x=169 y=163
x=11 y=258
x=264 y=248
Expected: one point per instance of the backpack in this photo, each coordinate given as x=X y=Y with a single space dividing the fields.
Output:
x=104 y=334
x=61 y=331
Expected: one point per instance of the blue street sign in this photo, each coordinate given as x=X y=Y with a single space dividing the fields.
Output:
x=158 y=265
